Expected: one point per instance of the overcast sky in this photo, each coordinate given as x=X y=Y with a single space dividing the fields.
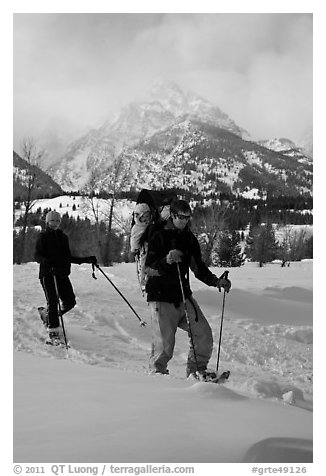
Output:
x=72 y=71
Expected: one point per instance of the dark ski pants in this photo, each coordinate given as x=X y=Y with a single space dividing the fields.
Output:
x=66 y=295
x=166 y=318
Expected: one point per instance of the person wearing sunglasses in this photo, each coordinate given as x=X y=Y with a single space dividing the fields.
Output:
x=171 y=245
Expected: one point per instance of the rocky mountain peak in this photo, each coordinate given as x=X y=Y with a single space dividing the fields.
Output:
x=178 y=138
x=181 y=102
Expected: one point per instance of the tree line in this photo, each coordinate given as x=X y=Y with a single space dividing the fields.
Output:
x=85 y=239
x=219 y=226
x=221 y=245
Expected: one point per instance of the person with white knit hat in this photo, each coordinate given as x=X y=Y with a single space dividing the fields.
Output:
x=52 y=252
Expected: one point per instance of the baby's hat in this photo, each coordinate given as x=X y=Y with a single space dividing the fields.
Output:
x=141 y=208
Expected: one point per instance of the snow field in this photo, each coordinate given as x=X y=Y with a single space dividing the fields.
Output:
x=96 y=403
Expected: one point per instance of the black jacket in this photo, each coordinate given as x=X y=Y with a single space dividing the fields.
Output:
x=166 y=286
x=52 y=252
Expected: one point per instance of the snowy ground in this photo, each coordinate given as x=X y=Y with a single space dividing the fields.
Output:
x=96 y=403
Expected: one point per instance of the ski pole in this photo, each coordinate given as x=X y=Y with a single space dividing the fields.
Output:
x=60 y=311
x=224 y=275
x=187 y=318
x=142 y=323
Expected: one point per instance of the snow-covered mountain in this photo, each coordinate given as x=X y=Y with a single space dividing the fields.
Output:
x=289 y=148
x=278 y=144
x=137 y=121
x=44 y=184
x=181 y=103
x=178 y=139
x=203 y=159
x=306 y=142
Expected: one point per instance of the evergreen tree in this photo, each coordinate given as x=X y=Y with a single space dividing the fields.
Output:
x=228 y=252
x=31 y=236
x=264 y=246
x=237 y=258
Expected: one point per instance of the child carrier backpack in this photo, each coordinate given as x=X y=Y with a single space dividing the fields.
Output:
x=156 y=200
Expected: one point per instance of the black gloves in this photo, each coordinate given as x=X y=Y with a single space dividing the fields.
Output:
x=90 y=259
x=221 y=283
x=226 y=284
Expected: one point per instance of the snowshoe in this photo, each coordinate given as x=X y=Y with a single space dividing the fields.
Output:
x=54 y=338
x=202 y=375
x=159 y=372
x=215 y=378
x=209 y=376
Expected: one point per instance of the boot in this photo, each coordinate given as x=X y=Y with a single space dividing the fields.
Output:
x=54 y=336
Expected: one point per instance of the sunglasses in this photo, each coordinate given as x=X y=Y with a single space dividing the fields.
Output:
x=182 y=217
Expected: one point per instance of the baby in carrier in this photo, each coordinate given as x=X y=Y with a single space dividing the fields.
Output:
x=146 y=221
x=138 y=246
x=142 y=217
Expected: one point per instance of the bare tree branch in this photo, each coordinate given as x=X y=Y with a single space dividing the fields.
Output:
x=32 y=155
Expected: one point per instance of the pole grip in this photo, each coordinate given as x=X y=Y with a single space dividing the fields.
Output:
x=224 y=275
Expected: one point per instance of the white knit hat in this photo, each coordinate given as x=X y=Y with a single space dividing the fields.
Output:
x=52 y=215
x=141 y=208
